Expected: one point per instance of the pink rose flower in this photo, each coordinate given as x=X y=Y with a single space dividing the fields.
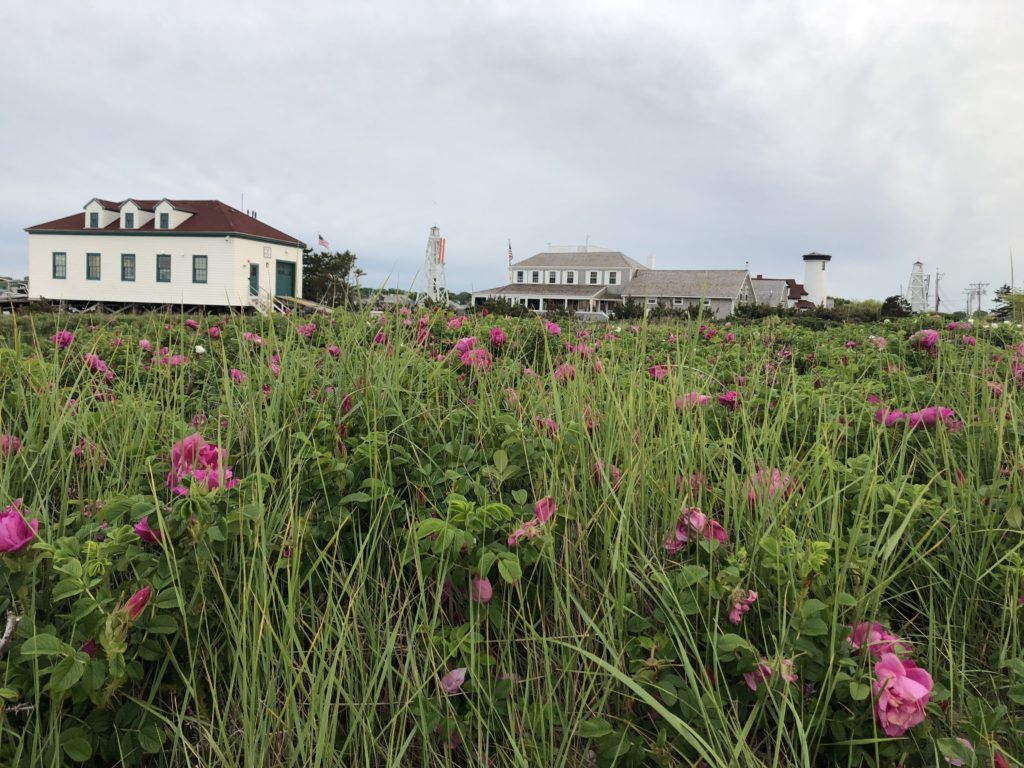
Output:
x=15 y=531
x=9 y=446
x=136 y=604
x=902 y=690
x=147 y=534
x=498 y=337
x=480 y=590
x=877 y=639
x=544 y=509
x=741 y=605
x=452 y=682
x=767 y=484
x=762 y=673
x=730 y=400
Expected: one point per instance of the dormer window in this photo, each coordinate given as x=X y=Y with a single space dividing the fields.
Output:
x=94 y=220
x=129 y=221
x=165 y=220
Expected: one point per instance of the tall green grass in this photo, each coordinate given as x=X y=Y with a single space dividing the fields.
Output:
x=319 y=637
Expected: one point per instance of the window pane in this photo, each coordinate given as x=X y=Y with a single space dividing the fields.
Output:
x=164 y=220
x=60 y=265
x=94 y=220
x=199 y=269
x=92 y=266
x=129 y=221
x=163 y=268
x=128 y=267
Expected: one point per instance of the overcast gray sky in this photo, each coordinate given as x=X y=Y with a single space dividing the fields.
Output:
x=707 y=134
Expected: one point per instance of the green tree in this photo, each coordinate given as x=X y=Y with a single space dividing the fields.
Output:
x=896 y=306
x=325 y=276
x=1009 y=304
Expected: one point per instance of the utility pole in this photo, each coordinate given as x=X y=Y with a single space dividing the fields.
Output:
x=938 y=276
x=969 y=293
x=976 y=290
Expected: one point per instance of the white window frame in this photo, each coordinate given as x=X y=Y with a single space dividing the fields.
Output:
x=552 y=277
x=652 y=302
x=678 y=301
x=593 y=278
x=535 y=276
x=613 y=278
x=570 y=278
x=707 y=302
x=520 y=276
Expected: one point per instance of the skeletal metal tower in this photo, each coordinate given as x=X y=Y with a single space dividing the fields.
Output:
x=433 y=268
x=917 y=291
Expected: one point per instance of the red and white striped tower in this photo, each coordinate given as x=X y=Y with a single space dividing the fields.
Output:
x=433 y=268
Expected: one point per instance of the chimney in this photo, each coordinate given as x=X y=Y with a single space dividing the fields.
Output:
x=759 y=277
x=650 y=261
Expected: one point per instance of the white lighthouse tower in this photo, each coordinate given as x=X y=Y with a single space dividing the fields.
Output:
x=816 y=277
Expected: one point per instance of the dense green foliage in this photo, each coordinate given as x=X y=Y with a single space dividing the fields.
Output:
x=324 y=609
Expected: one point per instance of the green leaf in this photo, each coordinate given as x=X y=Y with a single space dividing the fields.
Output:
x=42 y=645
x=430 y=527
x=214 y=533
x=69 y=566
x=68 y=671
x=151 y=737
x=594 y=728
x=487 y=559
x=690 y=575
x=167 y=599
x=65 y=589
x=859 y=691
x=519 y=496
x=500 y=460
x=730 y=643
x=812 y=607
x=162 y=625
x=357 y=498
x=509 y=569
x=846 y=600
x=76 y=744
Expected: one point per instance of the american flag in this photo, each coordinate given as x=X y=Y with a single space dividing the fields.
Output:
x=324 y=243
x=510 y=253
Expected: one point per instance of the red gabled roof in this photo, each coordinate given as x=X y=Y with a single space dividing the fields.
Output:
x=804 y=304
x=208 y=217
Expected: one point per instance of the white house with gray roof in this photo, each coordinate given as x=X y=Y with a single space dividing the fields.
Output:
x=587 y=278
x=599 y=279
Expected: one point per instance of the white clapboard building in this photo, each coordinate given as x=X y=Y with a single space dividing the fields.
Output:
x=163 y=252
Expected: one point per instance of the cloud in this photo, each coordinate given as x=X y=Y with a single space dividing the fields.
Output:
x=723 y=134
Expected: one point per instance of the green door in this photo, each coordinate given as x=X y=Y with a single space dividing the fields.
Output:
x=254 y=279
x=285 y=281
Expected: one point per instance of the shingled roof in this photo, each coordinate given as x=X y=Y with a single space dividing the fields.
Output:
x=209 y=217
x=762 y=285
x=688 y=283
x=579 y=259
